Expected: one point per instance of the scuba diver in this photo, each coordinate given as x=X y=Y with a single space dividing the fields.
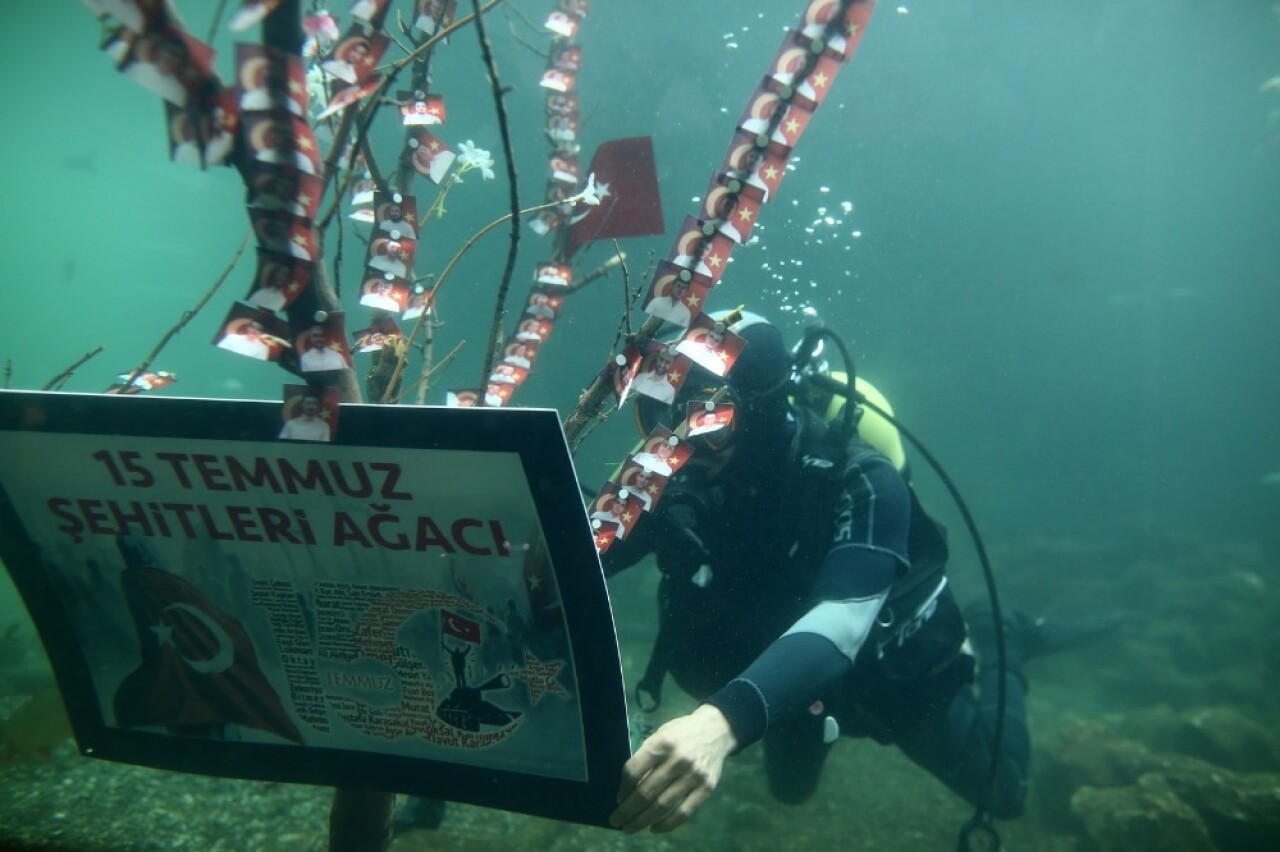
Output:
x=804 y=597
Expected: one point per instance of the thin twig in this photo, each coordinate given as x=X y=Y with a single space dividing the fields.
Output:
x=428 y=350
x=422 y=381
x=519 y=39
x=515 y=10
x=372 y=165
x=626 y=288
x=444 y=275
x=66 y=374
x=376 y=97
x=631 y=297
x=217 y=20
x=397 y=41
x=189 y=315
x=331 y=166
x=495 y=83
x=601 y=271
x=337 y=263
x=8 y=372
x=592 y=400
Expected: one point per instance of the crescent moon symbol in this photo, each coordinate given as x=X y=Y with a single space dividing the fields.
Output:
x=791 y=61
x=762 y=107
x=738 y=156
x=222 y=660
x=712 y=204
x=819 y=13
x=250 y=71
x=257 y=137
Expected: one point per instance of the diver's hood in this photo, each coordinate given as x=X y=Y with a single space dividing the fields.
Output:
x=759 y=382
x=762 y=368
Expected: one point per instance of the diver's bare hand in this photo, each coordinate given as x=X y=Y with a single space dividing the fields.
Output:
x=674 y=772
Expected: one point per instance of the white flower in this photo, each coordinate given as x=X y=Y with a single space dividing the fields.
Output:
x=470 y=157
x=317 y=92
x=590 y=193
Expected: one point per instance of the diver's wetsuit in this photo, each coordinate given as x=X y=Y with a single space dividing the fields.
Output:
x=860 y=620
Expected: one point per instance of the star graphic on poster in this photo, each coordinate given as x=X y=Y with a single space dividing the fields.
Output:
x=627 y=517
x=304 y=200
x=652 y=490
x=819 y=80
x=540 y=677
x=534 y=584
x=305 y=144
x=770 y=174
x=295 y=87
x=164 y=633
x=674 y=377
x=722 y=355
x=602 y=191
x=744 y=214
x=792 y=126
x=300 y=240
x=714 y=261
x=692 y=301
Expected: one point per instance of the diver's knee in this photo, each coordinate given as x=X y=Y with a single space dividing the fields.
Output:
x=788 y=792
x=793 y=759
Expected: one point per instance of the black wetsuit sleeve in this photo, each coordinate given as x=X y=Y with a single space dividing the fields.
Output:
x=814 y=658
x=784 y=680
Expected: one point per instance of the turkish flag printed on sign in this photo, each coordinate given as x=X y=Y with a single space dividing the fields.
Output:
x=199 y=670
x=459 y=627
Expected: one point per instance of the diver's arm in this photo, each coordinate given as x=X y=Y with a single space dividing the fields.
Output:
x=812 y=658
x=677 y=768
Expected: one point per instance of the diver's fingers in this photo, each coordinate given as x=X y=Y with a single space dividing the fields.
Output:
x=637 y=767
x=683 y=812
x=674 y=771
x=644 y=777
x=659 y=795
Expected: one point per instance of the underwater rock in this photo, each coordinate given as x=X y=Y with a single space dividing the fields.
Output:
x=1145 y=816
x=1219 y=734
x=1224 y=736
x=1087 y=755
x=1242 y=812
x=1127 y=782
x=34 y=728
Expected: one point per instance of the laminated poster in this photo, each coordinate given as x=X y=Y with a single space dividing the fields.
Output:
x=415 y=607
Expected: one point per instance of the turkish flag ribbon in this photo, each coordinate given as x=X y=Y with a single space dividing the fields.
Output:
x=796 y=82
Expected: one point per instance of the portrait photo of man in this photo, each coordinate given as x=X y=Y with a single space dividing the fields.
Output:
x=307 y=416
